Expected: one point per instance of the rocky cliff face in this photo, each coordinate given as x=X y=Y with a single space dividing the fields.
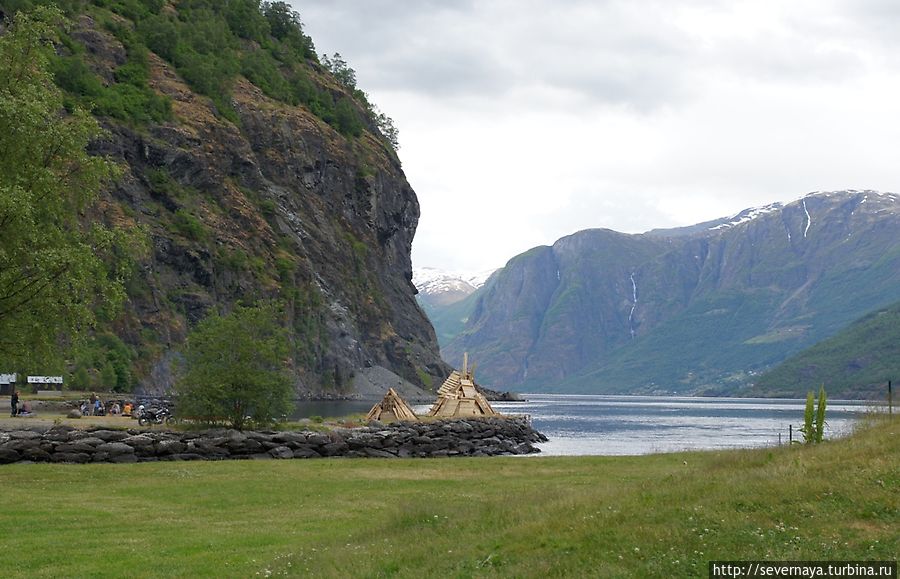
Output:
x=277 y=205
x=698 y=309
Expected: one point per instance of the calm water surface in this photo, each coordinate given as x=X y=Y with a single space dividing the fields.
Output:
x=621 y=425
x=628 y=425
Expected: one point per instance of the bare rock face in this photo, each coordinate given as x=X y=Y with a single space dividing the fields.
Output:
x=276 y=206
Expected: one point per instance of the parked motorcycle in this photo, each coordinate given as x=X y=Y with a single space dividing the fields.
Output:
x=155 y=416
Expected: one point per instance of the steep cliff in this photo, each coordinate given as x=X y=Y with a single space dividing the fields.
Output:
x=700 y=309
x=247 y=197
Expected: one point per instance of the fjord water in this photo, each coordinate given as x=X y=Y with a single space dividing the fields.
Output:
x=631 y=425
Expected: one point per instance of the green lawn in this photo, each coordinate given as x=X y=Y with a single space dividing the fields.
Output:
x=652 y=516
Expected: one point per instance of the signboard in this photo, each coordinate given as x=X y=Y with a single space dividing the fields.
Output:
x=7 y=378
x=45 y=380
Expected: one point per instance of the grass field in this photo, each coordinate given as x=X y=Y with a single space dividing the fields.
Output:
x=651 y=516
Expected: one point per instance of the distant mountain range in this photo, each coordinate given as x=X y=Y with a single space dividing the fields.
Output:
x=700 y=309
x=447 y=297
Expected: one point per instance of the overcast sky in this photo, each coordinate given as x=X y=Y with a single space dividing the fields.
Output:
x=522 y=121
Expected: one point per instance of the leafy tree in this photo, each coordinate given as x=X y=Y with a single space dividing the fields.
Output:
x=340 y=69
x=347 y=119
x=56 y=270
x=108 y=377
x=236 y=369
x=81 y=380
x=247 y=20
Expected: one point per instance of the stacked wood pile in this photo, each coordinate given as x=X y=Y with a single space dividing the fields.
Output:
x=392 y=409
x=458 y=397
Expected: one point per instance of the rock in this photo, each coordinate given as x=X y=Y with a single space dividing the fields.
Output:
x=318 y=439
x=115 y=448
x=376 y=453
x=110 y=435
x=73 y=457
x=24 y=435
x=74 y=413
x=164 y=447
x=282 y=452
x=8 y=455
x=306 y=452
x=77 y=446
x=36 y=454
x=138 y=440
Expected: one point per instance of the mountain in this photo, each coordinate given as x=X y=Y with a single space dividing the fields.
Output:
x=258 y=172
x=702 y=309
x=447 y=298
x=858 y=361
x=442 y=288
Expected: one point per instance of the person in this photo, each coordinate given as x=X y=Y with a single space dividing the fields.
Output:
x=84 y=408
x=26 y=409
x=14 y=403
x=126 y=411
x=97 y=406
x=115 y=408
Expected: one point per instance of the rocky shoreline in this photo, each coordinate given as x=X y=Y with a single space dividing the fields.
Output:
x=462 y=437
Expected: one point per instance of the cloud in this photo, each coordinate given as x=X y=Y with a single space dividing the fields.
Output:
x=526 y=120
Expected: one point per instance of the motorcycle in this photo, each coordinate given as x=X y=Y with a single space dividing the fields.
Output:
x=156 y=416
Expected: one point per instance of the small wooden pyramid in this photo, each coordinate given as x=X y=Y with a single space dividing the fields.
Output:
x=458 y=397
x=392 y=408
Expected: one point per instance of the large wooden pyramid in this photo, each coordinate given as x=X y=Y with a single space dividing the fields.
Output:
x=392 y=409
x=458 y=397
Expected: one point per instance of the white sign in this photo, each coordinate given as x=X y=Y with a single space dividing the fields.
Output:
x=7 y=378
x=45 y=380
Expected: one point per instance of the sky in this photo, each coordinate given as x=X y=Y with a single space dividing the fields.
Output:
x=522 y=121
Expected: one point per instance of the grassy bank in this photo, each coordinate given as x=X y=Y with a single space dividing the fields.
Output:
x=662 y=515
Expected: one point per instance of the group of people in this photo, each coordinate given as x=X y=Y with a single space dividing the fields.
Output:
x=96 y=407
x=25 y=410
x=92 y=407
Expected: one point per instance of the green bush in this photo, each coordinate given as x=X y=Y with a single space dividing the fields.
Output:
x=188 y=225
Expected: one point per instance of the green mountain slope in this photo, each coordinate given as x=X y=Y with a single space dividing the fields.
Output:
x=259 y=171
x=702 y=309
x=857 y=362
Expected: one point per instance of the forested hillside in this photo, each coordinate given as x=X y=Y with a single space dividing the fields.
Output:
x=257 y=171
x=857 y=362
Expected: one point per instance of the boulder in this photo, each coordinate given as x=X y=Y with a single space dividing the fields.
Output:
x=8 y=455
x=110 y=435
x=282 y=452
x=115 y=448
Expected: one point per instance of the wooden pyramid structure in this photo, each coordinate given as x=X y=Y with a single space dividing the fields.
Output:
x=458 y=397
x=392 y=409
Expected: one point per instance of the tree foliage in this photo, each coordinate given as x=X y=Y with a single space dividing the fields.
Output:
x=814 y=418
x=235 y=369
x=56 y=272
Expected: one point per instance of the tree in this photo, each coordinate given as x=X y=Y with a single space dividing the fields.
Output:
x=341 y=70
x=81 y=380
x=108 y=377
x=58 y=269
x=235 y=369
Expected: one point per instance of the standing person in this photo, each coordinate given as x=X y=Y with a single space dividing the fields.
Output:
x=14 y=403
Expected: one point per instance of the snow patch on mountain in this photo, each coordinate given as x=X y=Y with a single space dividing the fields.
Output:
x=752 y=213
x=433 y=281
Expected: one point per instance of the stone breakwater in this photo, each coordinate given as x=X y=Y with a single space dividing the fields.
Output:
x=472 y=437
